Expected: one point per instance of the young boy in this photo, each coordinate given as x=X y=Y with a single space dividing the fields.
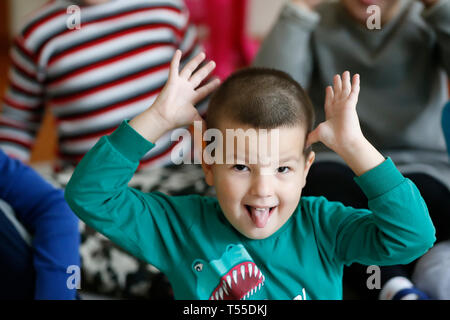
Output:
x=258 y=239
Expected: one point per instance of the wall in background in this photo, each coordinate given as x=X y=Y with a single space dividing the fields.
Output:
x=262 y=15
x=19 y=10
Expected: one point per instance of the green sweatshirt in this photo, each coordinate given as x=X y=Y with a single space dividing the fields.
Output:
x=204 y=257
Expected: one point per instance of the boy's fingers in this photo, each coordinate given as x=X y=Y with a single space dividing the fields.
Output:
x=198 y=138
x=175 y=63
x=312 y=138
x=205 y=90
x=329 y=96
x=192 y=65
x=346 y=86
x=355 y=86
x=337 y=83
x=198 y=117
x=201 y=74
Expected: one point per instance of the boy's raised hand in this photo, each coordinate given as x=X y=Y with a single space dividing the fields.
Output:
x=181 y=92
x=175 y=105
x=342 y=125
x=341 y=131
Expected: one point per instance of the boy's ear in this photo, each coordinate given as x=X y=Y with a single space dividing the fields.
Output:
x=308 y=163
x=207 y=170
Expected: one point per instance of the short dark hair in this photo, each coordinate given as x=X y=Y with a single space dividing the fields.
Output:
x=262 y=98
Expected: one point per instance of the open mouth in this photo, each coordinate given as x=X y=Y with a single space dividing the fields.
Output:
x=259 y=215
x=241 y=282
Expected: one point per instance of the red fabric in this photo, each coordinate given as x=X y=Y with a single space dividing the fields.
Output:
x=226 y=41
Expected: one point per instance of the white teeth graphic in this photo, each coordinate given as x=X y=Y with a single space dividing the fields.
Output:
x=224 y=286
x=229 y=281
x=253 y=271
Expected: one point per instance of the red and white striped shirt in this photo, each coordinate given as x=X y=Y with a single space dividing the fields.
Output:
x=94 y=77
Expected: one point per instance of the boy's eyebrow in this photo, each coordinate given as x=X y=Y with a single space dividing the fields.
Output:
x=289 y=158
x=285 y=159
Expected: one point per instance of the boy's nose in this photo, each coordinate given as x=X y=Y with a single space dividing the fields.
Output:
x=262 y=186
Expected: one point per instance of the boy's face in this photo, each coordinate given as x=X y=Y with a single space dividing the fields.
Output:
x=358 y=9
x=274 y=188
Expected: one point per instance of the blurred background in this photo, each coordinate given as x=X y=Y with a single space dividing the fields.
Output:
x=259 y=17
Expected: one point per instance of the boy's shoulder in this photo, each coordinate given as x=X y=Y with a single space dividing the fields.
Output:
x=180 y=210
x=319 y=207
x=327 y=215
x=315 y=203
x=195 y=203
x=185 y=197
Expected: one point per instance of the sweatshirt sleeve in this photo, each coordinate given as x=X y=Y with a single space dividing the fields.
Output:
x=54 y=228
x=396 y=229
x=23 y=104
x=287 y=47
x=151 y=226
x=438 y=17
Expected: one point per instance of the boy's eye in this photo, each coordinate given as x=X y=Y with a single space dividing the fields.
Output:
x=240 y=167
x=283 y=169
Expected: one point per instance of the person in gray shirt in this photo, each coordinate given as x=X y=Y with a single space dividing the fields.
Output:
x=401 y=49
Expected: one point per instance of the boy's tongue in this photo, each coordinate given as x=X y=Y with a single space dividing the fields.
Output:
x=260 y=217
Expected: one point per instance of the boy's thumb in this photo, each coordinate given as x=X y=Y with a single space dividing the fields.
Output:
x=198 y=117
x=312 y=138
x=198 y=131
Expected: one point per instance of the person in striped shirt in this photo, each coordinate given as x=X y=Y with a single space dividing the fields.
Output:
x=93 y=63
